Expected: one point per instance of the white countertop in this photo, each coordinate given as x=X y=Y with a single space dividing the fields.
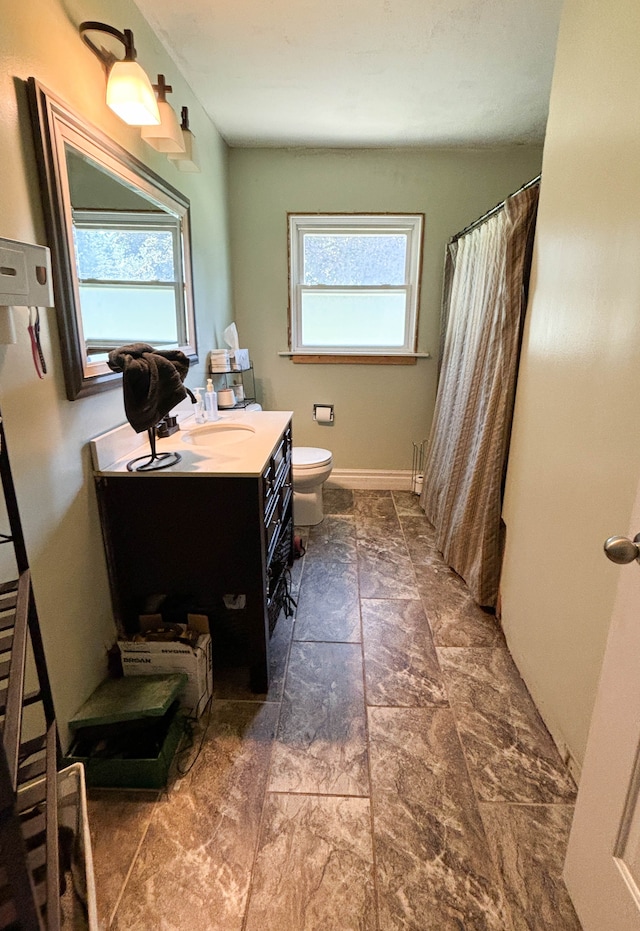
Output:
x=237 y=453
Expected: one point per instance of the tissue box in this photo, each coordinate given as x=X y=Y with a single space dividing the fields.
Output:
x=241 y=360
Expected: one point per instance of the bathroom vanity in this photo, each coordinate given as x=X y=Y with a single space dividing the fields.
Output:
x=215 y=530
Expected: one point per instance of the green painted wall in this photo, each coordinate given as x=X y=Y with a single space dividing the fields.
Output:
x=379 y=410
x=47 y=435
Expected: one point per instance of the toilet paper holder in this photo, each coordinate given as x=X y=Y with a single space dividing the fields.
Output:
x=323 y=413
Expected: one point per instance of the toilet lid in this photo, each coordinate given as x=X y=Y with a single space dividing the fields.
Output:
x=309 y=457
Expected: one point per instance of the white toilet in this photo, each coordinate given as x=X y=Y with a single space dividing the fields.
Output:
x=311 y=468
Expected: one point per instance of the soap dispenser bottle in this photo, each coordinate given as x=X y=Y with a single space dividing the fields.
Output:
x=210 y=402
x=199 y=413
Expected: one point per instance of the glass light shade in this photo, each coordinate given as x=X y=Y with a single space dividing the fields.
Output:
x=167 y=136
x=187 y=160
x=130 y=94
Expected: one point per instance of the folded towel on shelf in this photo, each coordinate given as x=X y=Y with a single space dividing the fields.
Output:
x=152 y=382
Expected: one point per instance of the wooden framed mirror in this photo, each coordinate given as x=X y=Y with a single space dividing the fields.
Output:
x=120 y=247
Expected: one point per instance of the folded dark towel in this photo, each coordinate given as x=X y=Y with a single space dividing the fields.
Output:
x=151 y=381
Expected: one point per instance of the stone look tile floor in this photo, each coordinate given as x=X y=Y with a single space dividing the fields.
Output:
x=396 y=777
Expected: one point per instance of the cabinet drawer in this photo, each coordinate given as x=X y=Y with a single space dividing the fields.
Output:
x=277 y=474
x=277 y=518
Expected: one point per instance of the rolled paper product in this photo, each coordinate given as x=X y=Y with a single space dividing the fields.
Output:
x=324 y=414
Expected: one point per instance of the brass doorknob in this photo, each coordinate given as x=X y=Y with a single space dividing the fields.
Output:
x=622 y=550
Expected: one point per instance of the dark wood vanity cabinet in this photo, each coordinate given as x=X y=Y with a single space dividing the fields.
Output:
x=199 y=539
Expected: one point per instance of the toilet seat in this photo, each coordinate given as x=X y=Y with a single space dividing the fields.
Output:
x=306 y=458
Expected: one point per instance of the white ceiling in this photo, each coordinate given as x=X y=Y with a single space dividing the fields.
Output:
x=365 y=72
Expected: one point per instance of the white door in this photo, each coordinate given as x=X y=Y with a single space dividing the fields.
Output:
x=602 y=870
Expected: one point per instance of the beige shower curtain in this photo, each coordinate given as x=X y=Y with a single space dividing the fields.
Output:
x=486 y=277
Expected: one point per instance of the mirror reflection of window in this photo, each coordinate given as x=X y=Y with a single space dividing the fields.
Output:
x=129 y=277
x=128 y=260
x=120 y=246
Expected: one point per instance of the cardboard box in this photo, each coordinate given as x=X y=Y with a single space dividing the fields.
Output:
x=153 y=657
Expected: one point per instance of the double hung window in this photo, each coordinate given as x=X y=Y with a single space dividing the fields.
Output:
x=129 y=260
x=354 y=284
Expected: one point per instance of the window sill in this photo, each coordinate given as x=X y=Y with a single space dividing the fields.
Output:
x=326 y=358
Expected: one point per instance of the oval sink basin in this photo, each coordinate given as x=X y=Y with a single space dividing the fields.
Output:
x=218 y=435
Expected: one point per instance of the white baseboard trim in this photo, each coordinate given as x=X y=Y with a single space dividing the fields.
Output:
x=382 y=479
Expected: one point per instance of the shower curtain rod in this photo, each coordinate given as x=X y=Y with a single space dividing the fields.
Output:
x=494 y=210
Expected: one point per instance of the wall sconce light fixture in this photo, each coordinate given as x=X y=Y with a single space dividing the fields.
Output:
x=187 y=160
x=129 y=91
x=166 y=136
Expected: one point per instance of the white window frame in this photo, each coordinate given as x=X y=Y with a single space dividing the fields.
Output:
x=411 y=225
x=135 y=221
